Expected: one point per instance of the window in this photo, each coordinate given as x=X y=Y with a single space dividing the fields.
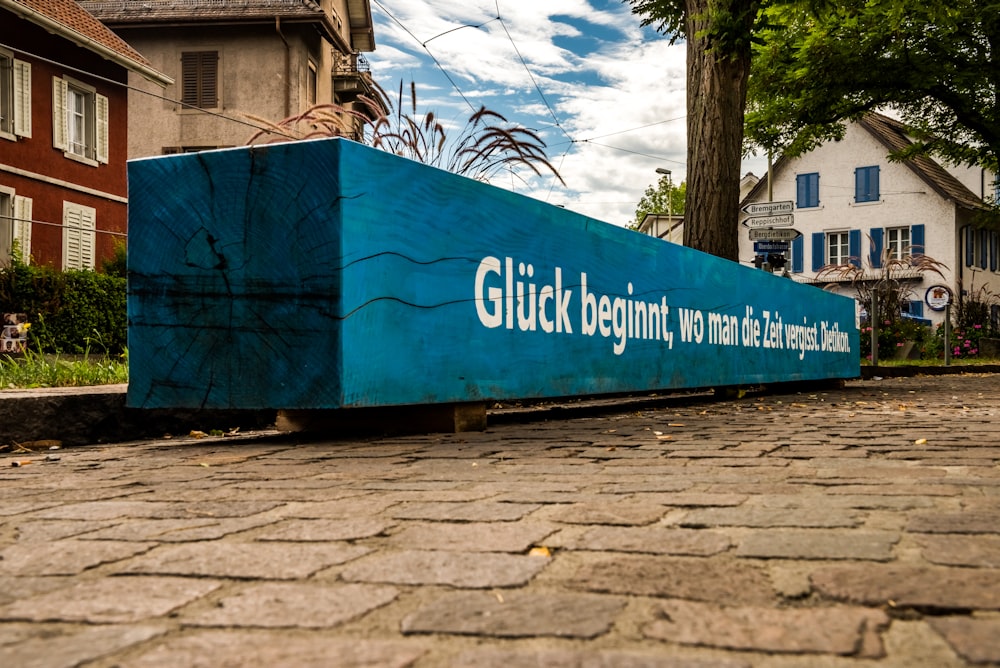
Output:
x=866 y=184
x=807 y=190
x=838 y=248
x=79 y=121
x=897 y=242
x=79 y=231
x=15 y=97
x=311 y=83
x=200 y=79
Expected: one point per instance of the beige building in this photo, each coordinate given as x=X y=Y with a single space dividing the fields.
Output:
x=234 y=61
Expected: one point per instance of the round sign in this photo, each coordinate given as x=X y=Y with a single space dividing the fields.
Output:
x=937 y=297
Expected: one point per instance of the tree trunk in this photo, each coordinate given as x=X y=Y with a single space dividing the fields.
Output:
x=718 y=66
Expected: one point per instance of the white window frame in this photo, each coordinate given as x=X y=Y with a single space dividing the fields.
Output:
x=841 y=241
x=79 y=236
x=15 y=97
x=897 y=242
x=79 y=121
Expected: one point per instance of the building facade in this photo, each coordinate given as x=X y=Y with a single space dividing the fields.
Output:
x=854 y=206
x=240 y=64
x=63 y=133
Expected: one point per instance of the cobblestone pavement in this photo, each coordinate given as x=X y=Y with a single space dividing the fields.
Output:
x=853 y=527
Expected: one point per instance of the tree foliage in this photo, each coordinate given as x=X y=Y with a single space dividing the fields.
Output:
x=936 y=64
x=662 y=197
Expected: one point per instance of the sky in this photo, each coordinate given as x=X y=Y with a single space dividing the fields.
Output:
x=606 y=95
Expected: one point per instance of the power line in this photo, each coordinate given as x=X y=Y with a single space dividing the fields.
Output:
x=146 y=92
x=530 y=75
x=423 y=45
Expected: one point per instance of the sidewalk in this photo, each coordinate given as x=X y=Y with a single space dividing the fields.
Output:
x=840 y=528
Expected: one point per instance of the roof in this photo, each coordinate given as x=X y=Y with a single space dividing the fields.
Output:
x=132 y=13
x=892 y=134
x=68 y=19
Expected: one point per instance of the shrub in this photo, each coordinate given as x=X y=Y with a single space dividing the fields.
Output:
x=70 y=311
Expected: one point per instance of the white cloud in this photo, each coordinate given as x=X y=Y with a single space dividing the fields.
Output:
x=617 y=91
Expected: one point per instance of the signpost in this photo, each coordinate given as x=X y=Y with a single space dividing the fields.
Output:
x=756 y=209
x=774 y=235
x=770 y=247
x=784 y=220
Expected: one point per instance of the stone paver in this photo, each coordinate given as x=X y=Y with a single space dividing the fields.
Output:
x=111 y=600
x=516 y=615
x=474 y=571
x=294 y=604
x=256 y=649
x=818 y=544
x=242 y=560
x=815 y=630
x=854 y=527
x=976 y=640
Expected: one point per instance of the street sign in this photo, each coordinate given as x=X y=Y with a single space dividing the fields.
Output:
x=755 y=209
x=786 y=234
x=770 y=247
x=784 y=220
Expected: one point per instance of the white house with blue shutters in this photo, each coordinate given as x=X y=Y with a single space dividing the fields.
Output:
x=851 y=204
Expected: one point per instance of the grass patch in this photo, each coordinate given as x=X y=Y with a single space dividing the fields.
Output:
x=955 y=361
x=34 y=369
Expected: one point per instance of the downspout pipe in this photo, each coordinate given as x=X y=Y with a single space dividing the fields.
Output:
x=288 y=67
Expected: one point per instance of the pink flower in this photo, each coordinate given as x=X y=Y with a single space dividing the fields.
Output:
x=978 y=326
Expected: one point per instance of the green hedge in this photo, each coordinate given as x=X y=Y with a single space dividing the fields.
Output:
x=69 y=311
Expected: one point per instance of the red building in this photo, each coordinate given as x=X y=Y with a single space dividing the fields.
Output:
x=63 y=133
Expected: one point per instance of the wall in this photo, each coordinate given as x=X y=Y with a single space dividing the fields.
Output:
x=105 y=184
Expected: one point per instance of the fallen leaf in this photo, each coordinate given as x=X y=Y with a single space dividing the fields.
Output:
x=920 y=441
x=197 y=434
x=539 y=551
x=676 y=424
x=668 y=437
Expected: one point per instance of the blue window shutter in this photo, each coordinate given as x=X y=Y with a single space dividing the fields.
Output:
x=807 y=190
x=866 y=184
x=854 y=247
x=819 y=250
x=970 y=246
x=984 y=245
x=994 y=249
x=917 y=308
x=875 y=256
x=798 y=249
x=917 y=240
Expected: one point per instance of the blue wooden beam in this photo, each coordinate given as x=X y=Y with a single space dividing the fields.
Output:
x=326 y=274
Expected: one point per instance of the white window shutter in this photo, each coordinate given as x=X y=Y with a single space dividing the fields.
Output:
x=102 y=128
x=88 y=227
x=71 y=236
x=60 y=130
x=79 y=231
x=22 y=98
x=22 y=226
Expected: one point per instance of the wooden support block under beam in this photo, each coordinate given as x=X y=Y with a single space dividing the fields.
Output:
x=446 y=418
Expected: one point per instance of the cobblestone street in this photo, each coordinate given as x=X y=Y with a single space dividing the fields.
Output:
x=846 y=527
